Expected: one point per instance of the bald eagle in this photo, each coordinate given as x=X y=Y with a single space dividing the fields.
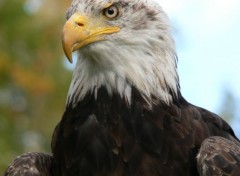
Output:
x=125 y=114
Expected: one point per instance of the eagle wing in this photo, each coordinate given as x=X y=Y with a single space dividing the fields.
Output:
x=32 y=164
x=219 y=157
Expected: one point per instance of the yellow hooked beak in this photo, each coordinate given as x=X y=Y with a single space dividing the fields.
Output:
x=80 y=31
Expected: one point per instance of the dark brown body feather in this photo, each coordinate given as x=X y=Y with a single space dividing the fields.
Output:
x=31 y=164
x=219 y=157
x=107 y=137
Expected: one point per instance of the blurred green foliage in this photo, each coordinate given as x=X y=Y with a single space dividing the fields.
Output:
x=229 y=107
x=33 y=79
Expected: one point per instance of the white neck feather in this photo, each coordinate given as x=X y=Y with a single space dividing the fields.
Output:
x=120 y=67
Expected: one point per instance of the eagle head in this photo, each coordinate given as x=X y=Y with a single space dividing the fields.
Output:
x=121 y=45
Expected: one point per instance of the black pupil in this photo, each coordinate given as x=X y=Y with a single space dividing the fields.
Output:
x=110 y=11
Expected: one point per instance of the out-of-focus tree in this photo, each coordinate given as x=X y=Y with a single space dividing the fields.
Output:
x=33 y=78
x=228 y=106
x=229 y=109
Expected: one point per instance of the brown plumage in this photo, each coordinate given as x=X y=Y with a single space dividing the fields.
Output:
x=125 y=114
x=219 y=156
x=106 y=137
x=30 y=164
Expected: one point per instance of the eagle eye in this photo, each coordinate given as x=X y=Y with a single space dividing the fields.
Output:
x=111 y=12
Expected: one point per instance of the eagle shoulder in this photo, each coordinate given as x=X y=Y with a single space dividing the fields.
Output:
x=32 y=164
x=219 y=156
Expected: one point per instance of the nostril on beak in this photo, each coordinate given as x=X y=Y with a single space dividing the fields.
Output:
x=79 y=24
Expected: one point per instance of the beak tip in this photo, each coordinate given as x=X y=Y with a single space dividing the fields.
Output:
x=68 y=52
x=70 y=59
x=69 y=56
x=67 y=47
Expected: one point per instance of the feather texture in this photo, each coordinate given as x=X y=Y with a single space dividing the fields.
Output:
x=107 y=137
x=30 y=164
x=219 y=157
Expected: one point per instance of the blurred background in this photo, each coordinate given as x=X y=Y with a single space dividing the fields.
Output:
x=34 y=74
